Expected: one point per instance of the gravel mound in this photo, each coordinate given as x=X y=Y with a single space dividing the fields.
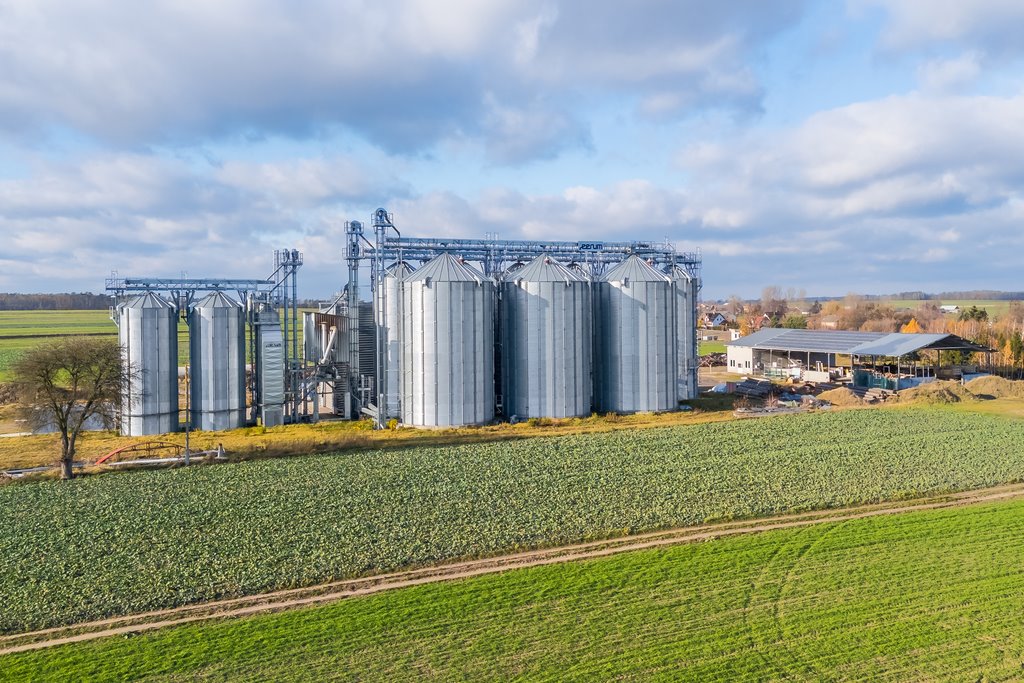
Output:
x=841 y=396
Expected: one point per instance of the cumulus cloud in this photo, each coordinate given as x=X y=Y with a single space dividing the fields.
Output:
x=993 y=25
x=915 y=179
x=310 y=182
x=942 y=75
x=640 y=207
x=518 y=134
x=401 y=73
x=141 y=214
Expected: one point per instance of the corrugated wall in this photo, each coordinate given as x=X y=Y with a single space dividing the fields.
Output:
x=447 y=352
x=546 y=348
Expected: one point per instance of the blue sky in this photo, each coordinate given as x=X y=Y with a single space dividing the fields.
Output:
x=865 y=145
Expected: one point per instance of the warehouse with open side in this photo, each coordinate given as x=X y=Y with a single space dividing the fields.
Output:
x=869 y=359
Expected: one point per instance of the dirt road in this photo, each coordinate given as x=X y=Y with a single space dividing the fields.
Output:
x=331 y=592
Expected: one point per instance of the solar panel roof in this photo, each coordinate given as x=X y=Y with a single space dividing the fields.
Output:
x=857 y=343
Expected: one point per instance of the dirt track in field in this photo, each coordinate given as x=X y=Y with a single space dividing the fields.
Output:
x=301 y=597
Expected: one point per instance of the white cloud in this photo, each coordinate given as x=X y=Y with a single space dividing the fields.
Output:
x=518 y=134
x=401 y=73
x=992 y=25
x=943 y=75
x=309 y=182
x=71 y=222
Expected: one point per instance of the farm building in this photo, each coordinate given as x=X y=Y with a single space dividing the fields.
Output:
x=887 y=360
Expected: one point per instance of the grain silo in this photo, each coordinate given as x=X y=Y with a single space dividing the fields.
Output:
x=546 y=341
x=148 y=333
x=217 y=349
x=389 y=324
x=447 y=345
x=635 y=365
x=687 y=287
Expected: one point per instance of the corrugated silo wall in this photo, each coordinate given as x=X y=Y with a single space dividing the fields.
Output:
x=389 y=323
x=547 y=348
x=149 y=341
x=447 y=353
x=217 y=349
x=636 y=363
x=686 y=313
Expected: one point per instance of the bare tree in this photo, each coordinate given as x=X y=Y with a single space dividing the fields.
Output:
x=773 y=300
x=735 y=305
x=66 y=382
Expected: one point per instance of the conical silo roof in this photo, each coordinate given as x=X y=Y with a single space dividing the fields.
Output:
x=544 y=269
x=217 y=300
x=634 y=269
x=147 y=300
x=680 y=273
x=399 y=269
x=446 y=268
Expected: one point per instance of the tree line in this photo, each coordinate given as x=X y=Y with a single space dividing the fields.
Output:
x=69 y=301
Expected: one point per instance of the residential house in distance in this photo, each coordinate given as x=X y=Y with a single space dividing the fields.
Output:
x=713 y=319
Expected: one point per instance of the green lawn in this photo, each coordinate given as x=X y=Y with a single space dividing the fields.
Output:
x=706 y=347
x=923 y=596
x=141 y=540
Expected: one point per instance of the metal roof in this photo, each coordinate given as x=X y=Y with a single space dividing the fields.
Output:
x=856 y=343
x=446 y=268
x=635 y=269
x=821 y=341
x=217 y=299
x=399 y=269
x=544 y=269
x=897 y=344
x=147 y=300
x=680 y=273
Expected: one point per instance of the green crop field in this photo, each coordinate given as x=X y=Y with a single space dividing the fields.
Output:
x=21 y=330
x=54 y=323
x=134 y=541
x=932 y=595
x=995 y=307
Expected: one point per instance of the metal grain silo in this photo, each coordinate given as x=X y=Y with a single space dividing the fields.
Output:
x=148 y=333
x=447 y=345
x=217 y=349
x=687 y=287
x=635 y=365
x=389 y=326
x=546 y=341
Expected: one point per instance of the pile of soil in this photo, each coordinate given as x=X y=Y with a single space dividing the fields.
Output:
x=941 y=392
x=996 y=387
x=841 y=396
